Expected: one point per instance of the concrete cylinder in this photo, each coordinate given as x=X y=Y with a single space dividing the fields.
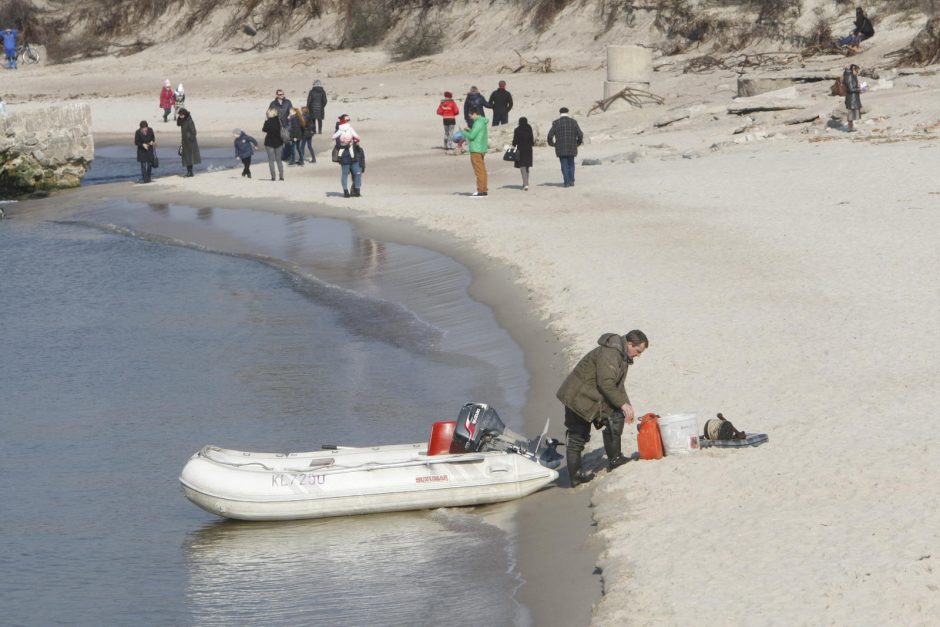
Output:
x=629 y=64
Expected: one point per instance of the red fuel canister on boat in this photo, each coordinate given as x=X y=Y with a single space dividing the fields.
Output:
x=648 y=439
x=441 y=435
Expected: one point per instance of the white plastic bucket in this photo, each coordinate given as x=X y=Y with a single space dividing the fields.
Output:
x=679 y=433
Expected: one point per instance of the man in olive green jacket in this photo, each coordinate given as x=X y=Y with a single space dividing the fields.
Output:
x=595 y=392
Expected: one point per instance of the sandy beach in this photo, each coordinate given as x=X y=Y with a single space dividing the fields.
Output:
x=784 y=273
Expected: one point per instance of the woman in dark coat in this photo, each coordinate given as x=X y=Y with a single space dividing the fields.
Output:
x=273 y=142
x=316 y=104
x=295 y=126
x=853 y=101
x=189 y=146
x=146 y=143
x=522 y=140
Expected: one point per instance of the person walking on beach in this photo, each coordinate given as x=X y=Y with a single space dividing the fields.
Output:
x=595 y=393
x=245 y=146
x=352 y=160
x=474 y=100
x=853 y=99
x=146 y=143
x=9 y=46
x=296 y=130
x=448 y=110
x=501 y=104
x=309 y=126
x=478 y=138
x=167 y=99
x=523 y=139
x=316 y=103
x=566 y=136
x=273 y=141
x=189 y=147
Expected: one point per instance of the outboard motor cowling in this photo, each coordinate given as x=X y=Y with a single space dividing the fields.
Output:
x=474 y=423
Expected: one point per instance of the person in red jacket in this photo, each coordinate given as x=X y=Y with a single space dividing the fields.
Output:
x=167 y=99
x=449 y=110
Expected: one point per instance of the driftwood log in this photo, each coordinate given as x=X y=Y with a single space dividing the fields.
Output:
x=924 y=49
x=535 y=64
x=739 y=62
x=636 y=98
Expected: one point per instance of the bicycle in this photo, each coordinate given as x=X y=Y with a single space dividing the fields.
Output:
x=26 y=54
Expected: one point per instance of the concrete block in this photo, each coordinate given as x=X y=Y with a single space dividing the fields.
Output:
x=629 y=64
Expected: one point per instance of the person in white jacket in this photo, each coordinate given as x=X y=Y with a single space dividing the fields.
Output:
x=345 y=133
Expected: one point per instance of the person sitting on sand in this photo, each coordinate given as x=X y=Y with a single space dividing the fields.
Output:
x=863 y=30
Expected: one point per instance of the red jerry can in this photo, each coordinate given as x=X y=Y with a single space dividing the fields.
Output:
x=648 y=439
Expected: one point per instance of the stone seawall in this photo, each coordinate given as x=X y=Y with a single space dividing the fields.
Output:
x=44 y=149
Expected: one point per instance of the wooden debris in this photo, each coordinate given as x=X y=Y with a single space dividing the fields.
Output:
x=534 y=65
x=636 y=98
x=924 y=49
x=738 y=62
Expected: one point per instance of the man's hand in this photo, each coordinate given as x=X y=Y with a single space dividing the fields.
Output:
x=628 y=414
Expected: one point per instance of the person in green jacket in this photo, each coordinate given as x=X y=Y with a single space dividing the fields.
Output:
x=595 y=393
x=478 y=136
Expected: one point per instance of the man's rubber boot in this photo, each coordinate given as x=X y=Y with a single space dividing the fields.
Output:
x=576 y=476
x=615 y=458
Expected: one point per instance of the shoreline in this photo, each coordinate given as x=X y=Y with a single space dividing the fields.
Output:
x=782 y=268
x=540 y=516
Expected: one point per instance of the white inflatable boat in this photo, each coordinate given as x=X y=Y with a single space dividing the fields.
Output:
x=471 y=461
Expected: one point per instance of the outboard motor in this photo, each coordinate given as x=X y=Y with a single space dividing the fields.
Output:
x=480 y=428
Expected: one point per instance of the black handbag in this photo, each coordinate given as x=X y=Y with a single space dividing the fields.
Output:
x=156 y=160
x=179 y=150
x=511 y=154
x=335 y=154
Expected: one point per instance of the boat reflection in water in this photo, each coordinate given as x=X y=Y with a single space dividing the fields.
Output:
x=382 y=569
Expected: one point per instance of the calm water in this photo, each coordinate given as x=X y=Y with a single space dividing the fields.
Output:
x=119 y=163
x=125 y=350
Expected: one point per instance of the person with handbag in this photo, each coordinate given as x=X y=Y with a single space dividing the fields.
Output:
x=146 y=143
x=273 y=142
x=566 y=136
x=523 y=139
